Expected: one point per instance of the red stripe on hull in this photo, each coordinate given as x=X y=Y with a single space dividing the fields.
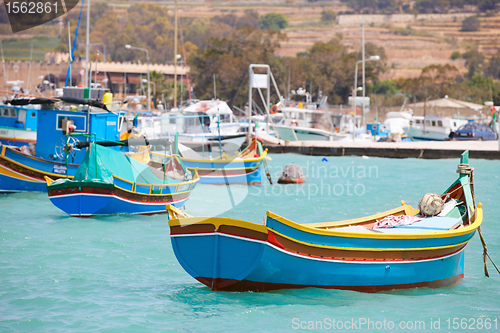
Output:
x=244 y=285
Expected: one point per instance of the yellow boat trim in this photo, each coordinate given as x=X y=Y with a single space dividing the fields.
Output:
x=48 y=180
x=33 y=169
x=195 y=179
x=133 y=192
x=176 y=213
x=369 y=249
x=405 y=209
x=217 y=222
x=436 y=234
x=6 y=172
x=217 y=161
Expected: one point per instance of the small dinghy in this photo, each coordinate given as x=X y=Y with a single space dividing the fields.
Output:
x=390 y=250
x=291 y=174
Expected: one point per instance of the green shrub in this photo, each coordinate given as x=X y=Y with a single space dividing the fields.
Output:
x=471 y=23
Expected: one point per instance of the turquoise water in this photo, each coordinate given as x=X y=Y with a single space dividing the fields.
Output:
x=119 y=273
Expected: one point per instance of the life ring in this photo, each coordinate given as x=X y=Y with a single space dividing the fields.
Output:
x=294 y=123
x=492 y=108
x=358 y=110
x=274 y=109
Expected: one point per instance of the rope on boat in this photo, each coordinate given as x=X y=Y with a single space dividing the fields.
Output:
x=267 y=172
x=465 y=169
x=486 y=254
x=468 y=170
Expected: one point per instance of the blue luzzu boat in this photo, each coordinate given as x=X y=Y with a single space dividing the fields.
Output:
x=56 y=154
x=243 y=168
x=235 y=255
x=109 y=182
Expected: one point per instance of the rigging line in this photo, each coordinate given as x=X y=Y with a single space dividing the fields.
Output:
x=74 y=44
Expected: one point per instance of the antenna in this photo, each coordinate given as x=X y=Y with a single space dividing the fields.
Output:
x=29 y=71
x=70 y=54
x=215 y=89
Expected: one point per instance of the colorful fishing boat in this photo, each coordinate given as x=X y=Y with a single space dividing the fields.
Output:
x=56 y=154
x=109 y=182
x=242 y=168
x=235 y=255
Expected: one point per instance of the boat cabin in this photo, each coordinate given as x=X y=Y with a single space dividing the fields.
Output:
x=81 y=122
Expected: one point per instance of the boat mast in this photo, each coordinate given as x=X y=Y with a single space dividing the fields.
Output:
x=86 y=82
x=175 y=56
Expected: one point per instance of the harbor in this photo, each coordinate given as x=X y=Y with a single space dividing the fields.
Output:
x=422 y=149
x=250 y=166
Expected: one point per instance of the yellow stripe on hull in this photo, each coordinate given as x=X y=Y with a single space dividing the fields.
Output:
x=12 y=174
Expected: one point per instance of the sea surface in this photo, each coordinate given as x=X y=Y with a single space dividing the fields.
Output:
x=119 y=273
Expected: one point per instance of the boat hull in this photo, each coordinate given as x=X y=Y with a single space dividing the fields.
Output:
x=87 y=199
x=17 y=137
x=23 y=173
x=302 y=134
x=223 y=173
x=416 y=134
x=236 y=261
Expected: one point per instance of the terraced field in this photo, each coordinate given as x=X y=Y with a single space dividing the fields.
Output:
x=409 y=45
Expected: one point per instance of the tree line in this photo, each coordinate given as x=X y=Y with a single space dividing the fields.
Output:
x=225 y=45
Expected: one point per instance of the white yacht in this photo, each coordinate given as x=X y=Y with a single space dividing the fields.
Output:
x=201 y=122
x=432 y=128
x=303 y=125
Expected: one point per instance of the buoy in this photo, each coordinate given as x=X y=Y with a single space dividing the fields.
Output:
x=291 y=174
x=431 y=204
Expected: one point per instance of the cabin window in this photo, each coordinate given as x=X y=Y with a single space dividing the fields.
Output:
x=428 y=123
x=301 y=116
x=172 y=120
x=440 y=123
x=13 y=113
x=417 y=121
x=433 y=123
x=454 y=124
x=79 y=121
x=5 y=113
x=225 y=118
x=33 y=114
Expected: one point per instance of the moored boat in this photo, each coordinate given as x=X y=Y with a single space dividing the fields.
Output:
x=235 y=255
x=109 y=182
x=60 y=128
x=242 y=168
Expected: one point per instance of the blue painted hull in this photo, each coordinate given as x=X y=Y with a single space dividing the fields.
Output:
x=92 y=204
x=23 y=173
x=240 y=262
x=231 y=172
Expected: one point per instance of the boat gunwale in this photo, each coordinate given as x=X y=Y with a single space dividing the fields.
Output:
x=403 y=235
x=253 y=159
